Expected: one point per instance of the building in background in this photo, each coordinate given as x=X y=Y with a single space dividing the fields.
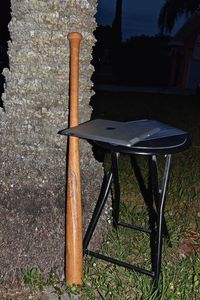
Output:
x=185 y=54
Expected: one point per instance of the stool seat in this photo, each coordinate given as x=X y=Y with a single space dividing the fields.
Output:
x=163 y=138
x=164 y=145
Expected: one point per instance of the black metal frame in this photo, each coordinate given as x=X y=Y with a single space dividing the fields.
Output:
x=154 y=194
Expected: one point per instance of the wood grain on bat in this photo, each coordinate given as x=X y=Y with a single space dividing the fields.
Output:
x=74 y=250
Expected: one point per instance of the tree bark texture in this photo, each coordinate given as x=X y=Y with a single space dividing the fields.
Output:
x=32 y=160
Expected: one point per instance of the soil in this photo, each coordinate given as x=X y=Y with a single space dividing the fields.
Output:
x=29 y=241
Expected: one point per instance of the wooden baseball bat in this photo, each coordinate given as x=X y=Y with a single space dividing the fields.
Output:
x=74 y=248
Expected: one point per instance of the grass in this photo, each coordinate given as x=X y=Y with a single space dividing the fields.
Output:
x=37 y=282
x=181 y=263
x=180 y=279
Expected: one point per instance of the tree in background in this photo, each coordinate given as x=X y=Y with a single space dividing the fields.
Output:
x=5 y=16
x=172 y=10
x=116 y=38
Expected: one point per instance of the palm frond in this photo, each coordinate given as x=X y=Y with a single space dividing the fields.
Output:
x=173 y=10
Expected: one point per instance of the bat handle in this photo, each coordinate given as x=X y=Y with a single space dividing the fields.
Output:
x=74 y=239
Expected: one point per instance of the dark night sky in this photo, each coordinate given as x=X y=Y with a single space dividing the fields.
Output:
x=139 y=16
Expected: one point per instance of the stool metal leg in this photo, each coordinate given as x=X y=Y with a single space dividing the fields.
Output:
x=156 y=193
x=107 y=180
x=116 y=198
x=160 y=219
x=154 y=178
x=146 y=192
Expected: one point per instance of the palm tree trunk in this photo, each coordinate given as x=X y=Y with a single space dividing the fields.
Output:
x=32 y=157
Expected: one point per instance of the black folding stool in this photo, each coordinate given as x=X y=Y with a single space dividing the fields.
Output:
x=166 y=146
x=166 y=142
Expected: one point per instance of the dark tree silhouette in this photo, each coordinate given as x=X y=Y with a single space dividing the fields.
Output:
x=5 y=16
x=116 y=38
x=117 y=24
x=173 y=10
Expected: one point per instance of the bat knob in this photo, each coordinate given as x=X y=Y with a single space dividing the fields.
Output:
x=74 y=35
